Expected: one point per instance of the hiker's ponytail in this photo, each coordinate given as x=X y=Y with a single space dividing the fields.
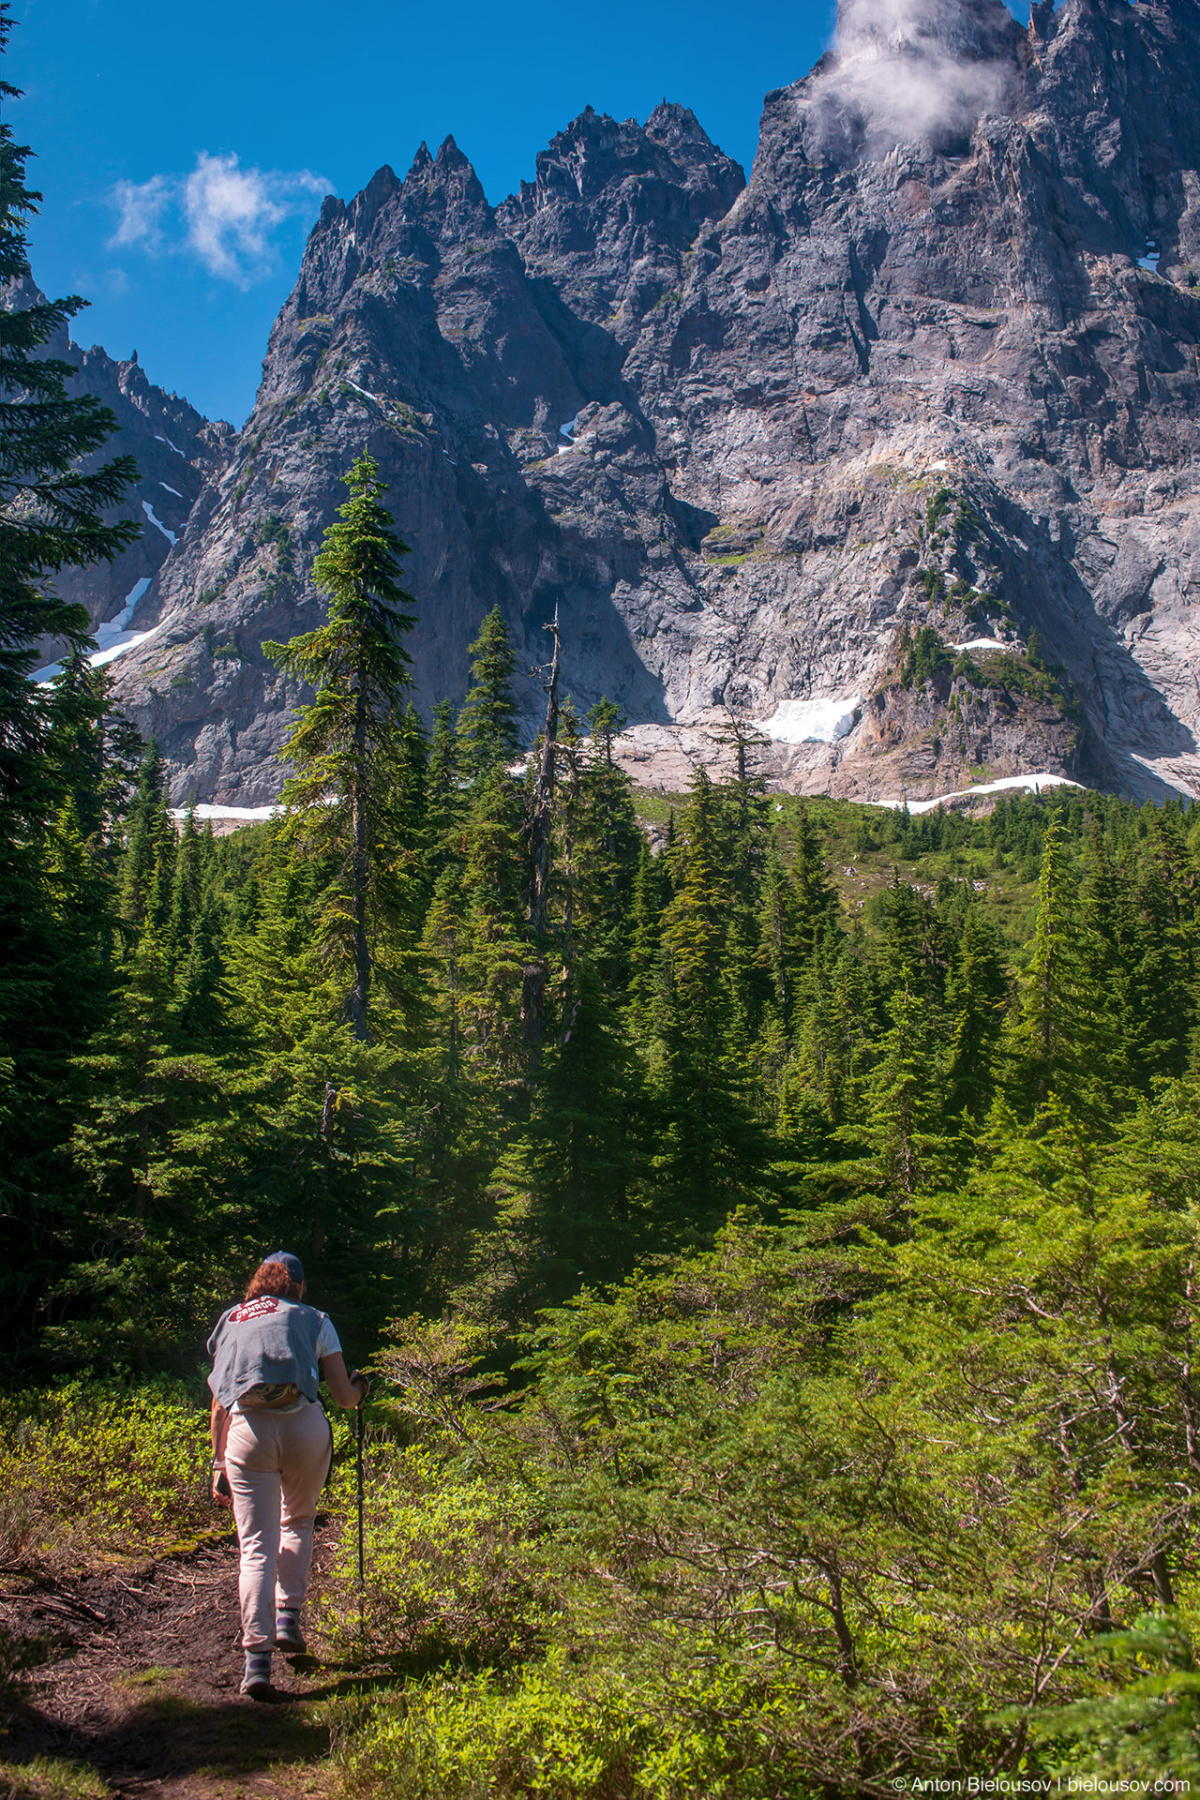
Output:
x=273 y=1278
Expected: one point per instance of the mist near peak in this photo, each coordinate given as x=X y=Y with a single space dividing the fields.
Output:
x=905 y=70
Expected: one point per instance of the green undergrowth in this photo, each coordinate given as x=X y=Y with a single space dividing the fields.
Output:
x=452 y=1571
x=565 y=1731
x=51 y=1778
x=800 y=1515
x=102 y=1470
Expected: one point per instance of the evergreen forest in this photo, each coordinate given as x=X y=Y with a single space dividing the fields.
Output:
x=771 y=1224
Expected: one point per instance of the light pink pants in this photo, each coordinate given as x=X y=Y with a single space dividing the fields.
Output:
x=276 y=1464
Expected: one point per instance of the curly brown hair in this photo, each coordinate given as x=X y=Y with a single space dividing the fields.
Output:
x=273 y=1278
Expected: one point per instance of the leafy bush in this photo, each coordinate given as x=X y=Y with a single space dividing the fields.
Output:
x=450 y=1572
x=559 y=1732
x=100 y=1468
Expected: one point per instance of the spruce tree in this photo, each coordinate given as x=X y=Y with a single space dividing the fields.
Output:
x=712 y=1154
x=346 y=744
x=1048 y=1029
x=651 y=892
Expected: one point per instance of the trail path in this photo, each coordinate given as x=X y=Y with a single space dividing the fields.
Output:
x=146 y=1694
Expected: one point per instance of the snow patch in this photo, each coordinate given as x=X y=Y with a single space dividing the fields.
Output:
x=155 y=520
x=981 y=644
x=111 y=638
x=160 y=439
x=248 y=813
x=1033 y=783
x=128 y=640
x=937 y=467
x=568 y=430
x=170 y=489
x=813 y=721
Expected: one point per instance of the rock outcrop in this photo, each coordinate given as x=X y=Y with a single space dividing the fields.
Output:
x=777 y=449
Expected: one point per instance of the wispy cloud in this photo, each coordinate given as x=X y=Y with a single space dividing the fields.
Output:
x=915 y=68
x=140 y=207
x=222 y=214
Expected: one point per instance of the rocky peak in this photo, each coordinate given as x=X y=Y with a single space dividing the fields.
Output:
x=911 y=70
x=616 y=206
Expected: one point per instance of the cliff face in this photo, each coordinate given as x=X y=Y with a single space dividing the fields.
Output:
x=177 y=451
x=775 y=450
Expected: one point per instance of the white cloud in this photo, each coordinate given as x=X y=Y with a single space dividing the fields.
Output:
x=222 y=214
x=231 y=212
x=141 y=206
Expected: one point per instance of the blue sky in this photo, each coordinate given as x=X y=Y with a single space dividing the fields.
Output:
x=183 y=145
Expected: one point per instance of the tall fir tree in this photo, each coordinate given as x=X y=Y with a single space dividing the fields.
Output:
x=347 y=744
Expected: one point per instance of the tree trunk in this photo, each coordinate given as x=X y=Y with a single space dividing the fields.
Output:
x=360 y=993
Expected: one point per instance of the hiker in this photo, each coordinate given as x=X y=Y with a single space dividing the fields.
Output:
x=272 y=1445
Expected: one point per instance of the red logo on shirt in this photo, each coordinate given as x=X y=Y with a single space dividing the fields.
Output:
x=255 y=1309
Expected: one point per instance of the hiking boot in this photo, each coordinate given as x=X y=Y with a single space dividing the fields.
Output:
x=256 y=1682
x=287 y=1632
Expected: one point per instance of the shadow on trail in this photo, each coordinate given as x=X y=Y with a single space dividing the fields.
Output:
x=170 y=1739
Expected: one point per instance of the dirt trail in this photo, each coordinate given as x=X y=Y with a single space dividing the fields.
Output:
x=145 y=1693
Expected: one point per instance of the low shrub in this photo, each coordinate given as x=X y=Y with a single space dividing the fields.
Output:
x=102 y=1468
x=451 y=1572
x=560 y=1732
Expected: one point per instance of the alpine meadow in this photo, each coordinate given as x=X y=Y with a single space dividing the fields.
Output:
x=769 y=1218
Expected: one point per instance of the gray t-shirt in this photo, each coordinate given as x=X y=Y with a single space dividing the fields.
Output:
x=267 y=1353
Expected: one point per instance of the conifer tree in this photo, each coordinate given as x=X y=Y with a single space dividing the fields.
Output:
x=711 y=1147
x=50 y=511
x=443 y=796
x=598 y=812
x=901 y=1144
x=185 y=894
x=346 y=744
x=142 y=825
x=487 y=723
x=977 y=991
x=1048 y=1028
x=651 y=892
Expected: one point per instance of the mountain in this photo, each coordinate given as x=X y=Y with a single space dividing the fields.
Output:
x=177 y=451
x=774 y=449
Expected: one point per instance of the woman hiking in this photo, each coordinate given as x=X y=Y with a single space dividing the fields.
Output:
x=273 y=1444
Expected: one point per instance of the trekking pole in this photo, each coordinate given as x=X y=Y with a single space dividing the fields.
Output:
x=358 y=1453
